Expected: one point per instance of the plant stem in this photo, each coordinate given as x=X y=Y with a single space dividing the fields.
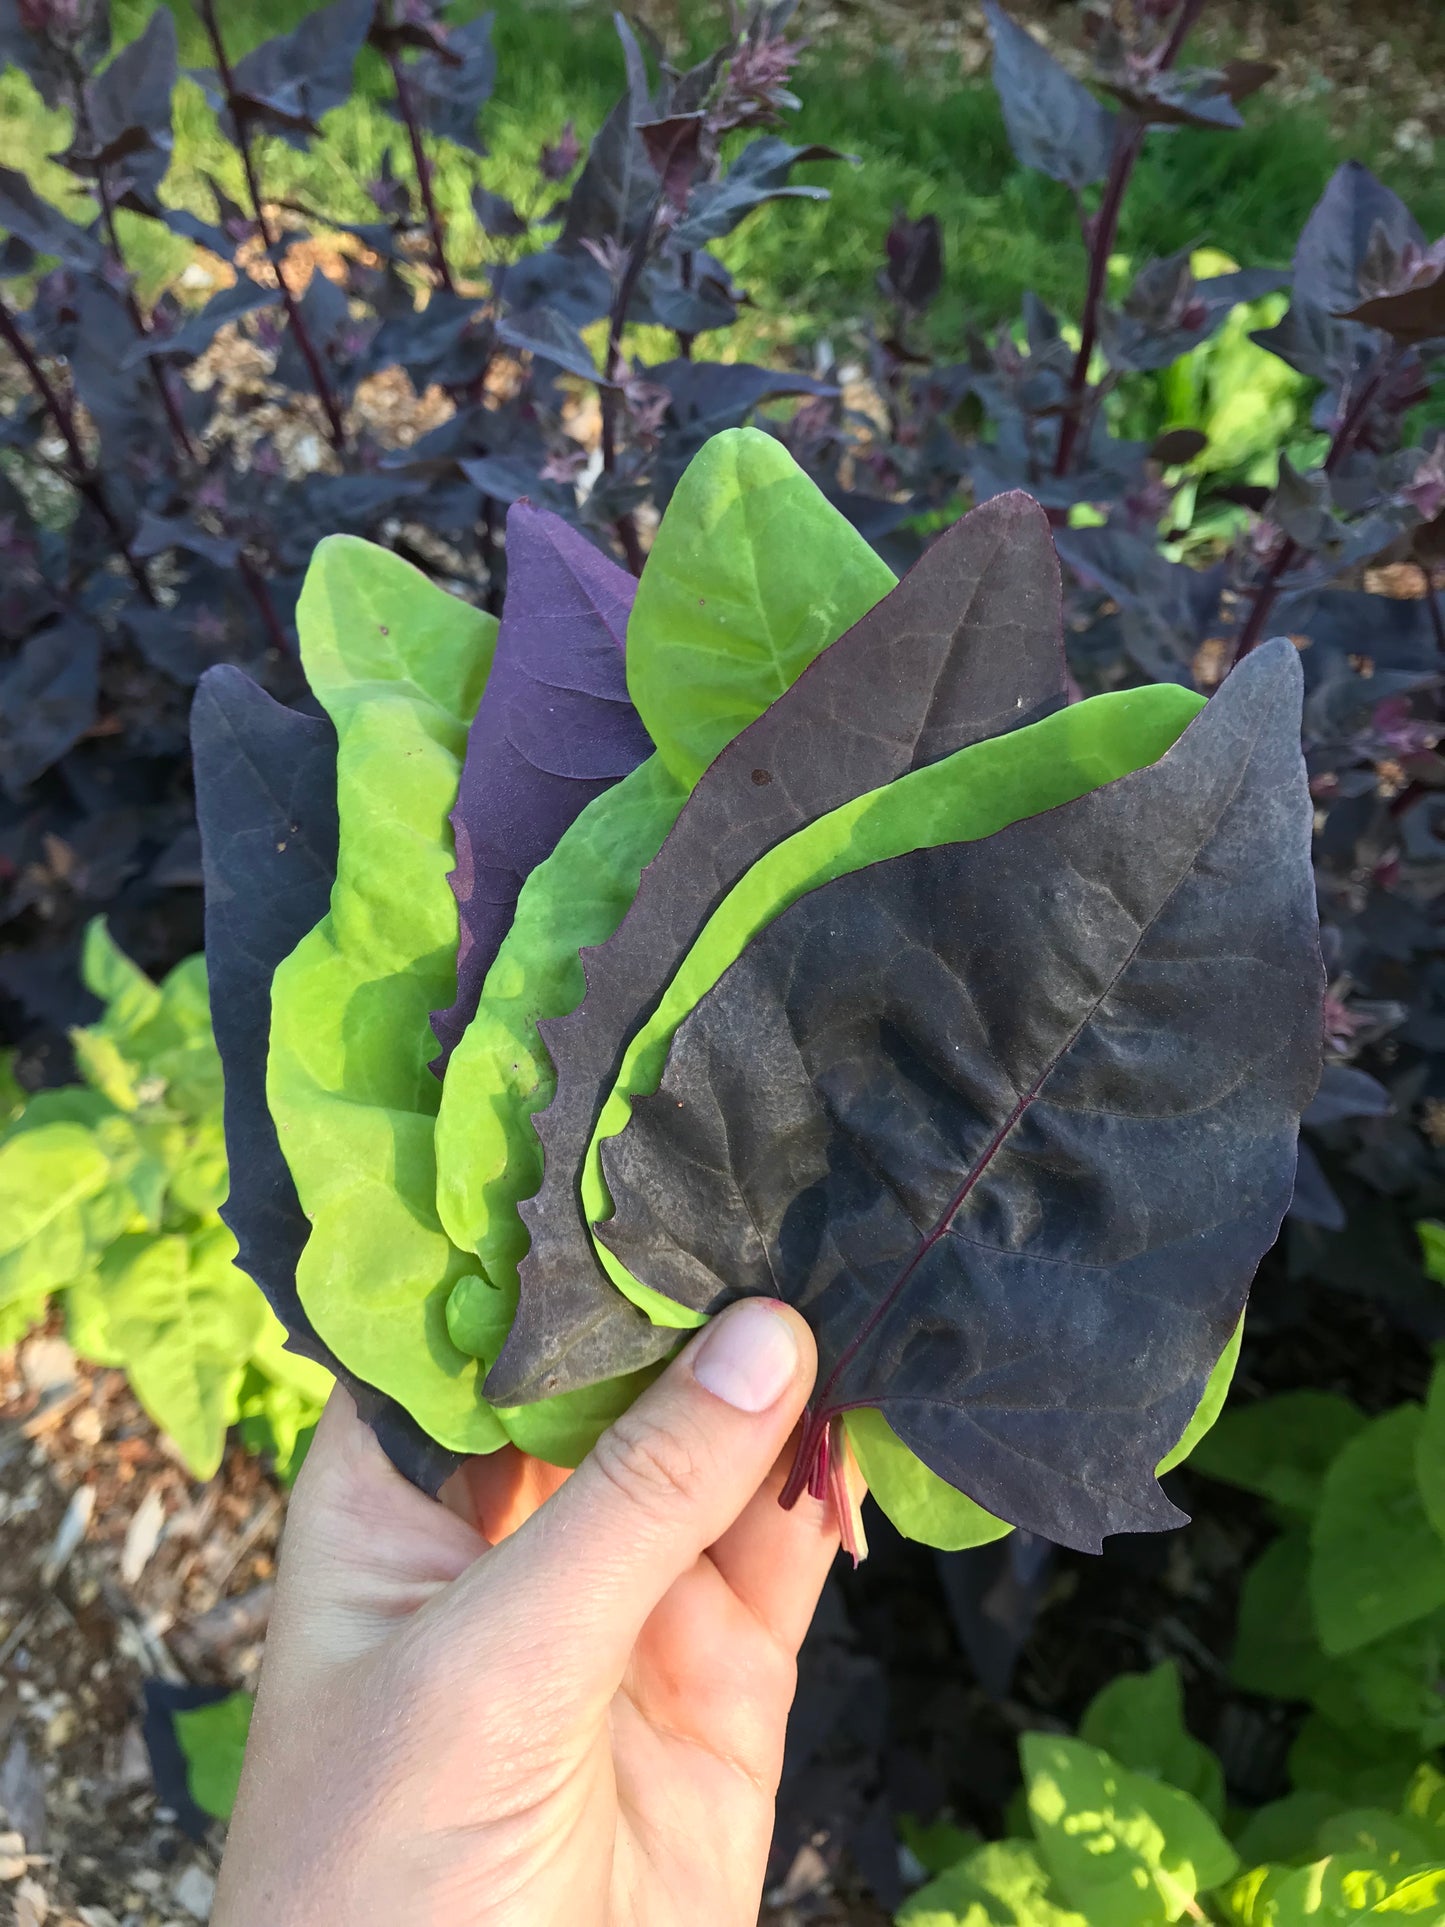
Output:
x=260 y=593
x=423 y=170
x=309 y=354
x=1284 y=557
x=82 y=477
x=1101 y=235
x=626 y=525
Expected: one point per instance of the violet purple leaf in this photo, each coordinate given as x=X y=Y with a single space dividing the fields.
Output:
x=555 y=729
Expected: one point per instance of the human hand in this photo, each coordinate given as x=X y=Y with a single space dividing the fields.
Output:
x=563 y=1709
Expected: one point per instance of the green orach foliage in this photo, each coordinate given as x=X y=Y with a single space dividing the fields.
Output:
x=109 y=1194
x=213 y=1741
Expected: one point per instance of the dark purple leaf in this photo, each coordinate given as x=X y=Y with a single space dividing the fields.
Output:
x=47 y=700
x=914 y=273
x=1347 y=1092
x=1013 y=1121
x=128 y=109
x=673 y=147
x=555 y=729
x=613 y=195
x=562 y=156
x=1177 y=98
x=266 y=798
x=552 y=337
x=42 y=56
x=287 y=83
x=513 y=478
x=1313 y=1199
x=1413 y=315
x=157 y=533
x=448 y=90
x=1337 y=237
x=1054 y=123
x=759 y=174
x=967 y=646
x=195 y=334
x=567 y=280
x=41 y=225
x=497 y=216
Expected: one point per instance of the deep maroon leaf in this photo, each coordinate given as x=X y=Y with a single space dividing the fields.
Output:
x=1412 y=316
x=1337 y=237
x=41 y=225
x=760 y=173
x=47 y=700
x=128 y=112
x=552 y=337
x=555 y=729
x=673 y=148
x=448 y=90
x=1013 y=1121
x=266 y=799
x=195 y=334
x=914 y=249
x=967 y=646
x=1054 y=123
x=287 y=83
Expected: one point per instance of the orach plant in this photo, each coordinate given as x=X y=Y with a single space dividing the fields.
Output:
x=975 y=1024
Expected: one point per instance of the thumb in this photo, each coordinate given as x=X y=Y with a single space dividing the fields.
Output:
x=661 y=1485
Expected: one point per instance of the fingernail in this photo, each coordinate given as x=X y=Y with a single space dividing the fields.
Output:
x=748 y=1357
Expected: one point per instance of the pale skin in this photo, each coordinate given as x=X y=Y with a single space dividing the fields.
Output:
x=552 y=1699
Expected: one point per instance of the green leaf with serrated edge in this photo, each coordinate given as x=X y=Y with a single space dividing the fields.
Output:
x=182 y=1320
x=752 y=573
x=1138 y=1720
x=1377 y=1562
x=1275 y=1648
x=488 y=1154
x=213 y=1739
x=1002 y=1885
x=1363 y=1765
x=399 y=666
x=44 y=1174
x=1116 y=1843
x=1282 y=1447
x=1430 y=1452
x=1287 y=1829
x=968 y=795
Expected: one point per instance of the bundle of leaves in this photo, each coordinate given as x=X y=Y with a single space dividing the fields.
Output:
x=1127 y=1826
x=109 y=1196
x=1180 y=557
x=156 y=517
x=793 y=937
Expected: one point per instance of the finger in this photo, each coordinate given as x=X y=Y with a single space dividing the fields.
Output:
x=775 y=1562
x=363 y=1548
x=500 y=1492
x=664 y=1483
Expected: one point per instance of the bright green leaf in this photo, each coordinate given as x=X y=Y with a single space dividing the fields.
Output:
x=1002 y=1885
x=1331 y=1893
x=1138 y=1719
x=46 y=1176
x=752 y=572
x=399 y=666
x=183 y=1321
x=1275 y=1649
x=1377 y=1561
x=1286 y=1829
x=1206 y=1413
x=1388 y=1840
x=129 y=996
x=213 y=1739
x=1432 y=1247
x=937 y=1845
x=1425 y=1806
x=918 y=1502
x=1282 y=1447
x=1118 y=1844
